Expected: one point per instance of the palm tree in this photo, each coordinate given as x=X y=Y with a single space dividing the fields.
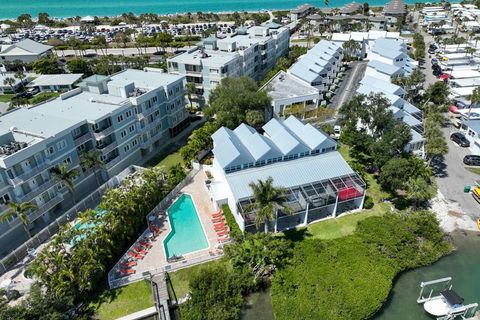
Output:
x=267 y=200
x=21 y=211
x=470 y=51
x=20 y=76
x=9 y=81
x=190 y=90
x=63 y=175
x=91 y=160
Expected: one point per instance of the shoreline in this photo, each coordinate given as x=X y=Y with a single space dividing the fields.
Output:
x=319 y=5
x=451 y=216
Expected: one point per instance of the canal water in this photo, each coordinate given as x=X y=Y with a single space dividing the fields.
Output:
x=463 y=266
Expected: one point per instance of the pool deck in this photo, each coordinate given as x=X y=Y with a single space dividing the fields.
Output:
x=155 y=258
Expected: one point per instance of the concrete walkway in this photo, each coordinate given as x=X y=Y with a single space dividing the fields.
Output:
x=140 y=314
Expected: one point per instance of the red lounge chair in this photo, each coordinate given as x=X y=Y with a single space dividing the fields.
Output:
x=128 y=264
x=224 y=239
x=137 y=249
x=217 y=214
x=224 y=232
x=156 y=230
x=145 y=244
x=126 y=272
x=220 y=228
x=135 y=255
x=216 y=220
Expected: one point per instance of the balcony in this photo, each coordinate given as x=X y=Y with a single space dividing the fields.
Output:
x=112 y=162
x=107 y=149
x=83 y=138
x=103 y=133
x=47 y=206
x=37 y=191
x=29 y=174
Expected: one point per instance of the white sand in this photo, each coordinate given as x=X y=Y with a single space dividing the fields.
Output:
x=450 y=215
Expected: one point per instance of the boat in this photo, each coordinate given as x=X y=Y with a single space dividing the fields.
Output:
x=448 y=304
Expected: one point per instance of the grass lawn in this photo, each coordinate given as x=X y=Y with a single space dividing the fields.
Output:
x=170 y=160
x=6 y=98
x=180 y=279
x=473 y=169
x=116 y=303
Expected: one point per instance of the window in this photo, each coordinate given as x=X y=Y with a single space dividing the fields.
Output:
x=170 y=92
x=61 y=145
x=154 y=99
x=214 y=71
x=177 y=89
x=120 y=118
x=134 y=142
x=49 y=151
x=131 y=128
x=5 y=199
x=123 y=134
x=68 y=160
x=128 y=114
x=213 y=82
x=126 y=148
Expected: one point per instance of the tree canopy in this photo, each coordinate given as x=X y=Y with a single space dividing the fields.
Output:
x=230 y=101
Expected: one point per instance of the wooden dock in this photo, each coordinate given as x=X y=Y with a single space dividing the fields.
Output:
x=160 y=296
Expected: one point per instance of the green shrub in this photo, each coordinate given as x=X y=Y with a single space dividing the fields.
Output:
x=235 y=231
x=368 y=203
x=333 y=279
x=217 y=294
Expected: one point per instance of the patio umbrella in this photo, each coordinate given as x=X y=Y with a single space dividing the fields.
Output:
x=444 y=76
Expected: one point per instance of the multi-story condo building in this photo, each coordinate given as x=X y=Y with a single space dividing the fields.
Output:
x=125 y=116
x=250 y=52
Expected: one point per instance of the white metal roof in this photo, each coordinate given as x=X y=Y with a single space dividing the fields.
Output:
x=290 y=173
x=56 y=79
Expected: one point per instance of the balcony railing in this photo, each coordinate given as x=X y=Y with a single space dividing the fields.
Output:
x=103 y=133
x=113 y=162
x=82 y=139
x=106 y=150
x=50 y=204
x=37 y=191
x=29 y=174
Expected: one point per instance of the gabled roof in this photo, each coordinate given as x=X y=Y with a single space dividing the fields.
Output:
x=244 y=145
x=385 y=68
x=382 y=85
x=56 y=79
x=28 y=47
x=282 y=138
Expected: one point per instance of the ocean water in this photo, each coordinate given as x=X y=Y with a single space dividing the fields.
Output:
x=71 y=8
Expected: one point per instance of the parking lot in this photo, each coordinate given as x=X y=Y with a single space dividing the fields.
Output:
x=452 y=176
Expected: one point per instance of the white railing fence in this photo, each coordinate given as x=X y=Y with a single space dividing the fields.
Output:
x=161 y=206
x=90 y=202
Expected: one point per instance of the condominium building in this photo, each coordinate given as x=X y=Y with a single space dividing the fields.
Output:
x=298 y=157
x=251 y=52
x=320 y=65
x=125 y=117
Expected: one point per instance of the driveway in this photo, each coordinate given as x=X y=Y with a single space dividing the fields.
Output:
x=452 y=176
x=350 y=84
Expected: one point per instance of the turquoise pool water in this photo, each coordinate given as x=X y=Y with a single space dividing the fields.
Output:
x=86 y=226
x=187 y=233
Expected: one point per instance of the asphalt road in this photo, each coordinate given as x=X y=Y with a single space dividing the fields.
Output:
x=350 y=84
x=452 y=176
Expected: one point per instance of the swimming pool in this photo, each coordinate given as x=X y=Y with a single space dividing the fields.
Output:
x=187 y=233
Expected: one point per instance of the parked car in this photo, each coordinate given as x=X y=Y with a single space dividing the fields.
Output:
x=434 y=61
x=460 y=139
x=471 y=160
x=33 y=91
x=431 y=51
